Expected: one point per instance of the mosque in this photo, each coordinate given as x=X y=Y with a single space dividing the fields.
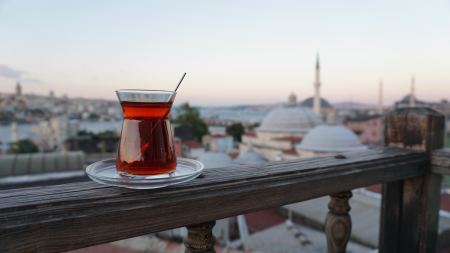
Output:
x=410 y=100
x=297 y=130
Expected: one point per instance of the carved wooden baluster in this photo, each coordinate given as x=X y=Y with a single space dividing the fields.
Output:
x=338 y=224
x=200 y=238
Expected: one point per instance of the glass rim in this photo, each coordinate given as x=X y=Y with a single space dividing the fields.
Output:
x=145 y=96
x=144 y=91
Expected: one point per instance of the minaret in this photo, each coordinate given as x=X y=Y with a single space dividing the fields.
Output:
x=412 y=96
x=380 y=98
x=316 y=102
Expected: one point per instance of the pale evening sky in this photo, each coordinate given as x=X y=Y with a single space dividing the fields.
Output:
x=235 y=52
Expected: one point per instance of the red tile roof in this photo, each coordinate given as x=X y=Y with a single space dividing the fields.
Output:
x=375 y=188
x=219 y=135
x=250 y=134
x=290 y=152
x=263 y=219
x=193 y=144
x=445 y=202
x=291 y=139
x=233 y=155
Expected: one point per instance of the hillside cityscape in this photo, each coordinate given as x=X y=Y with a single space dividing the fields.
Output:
x=50 y=121
x=49 y=139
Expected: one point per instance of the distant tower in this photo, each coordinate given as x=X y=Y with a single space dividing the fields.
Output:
x=18 y=89
x=412 y=96
x=292 y=100
x=316 y=102
x=380 y=98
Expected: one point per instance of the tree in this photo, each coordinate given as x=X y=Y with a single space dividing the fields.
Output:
x=236 y=130
x=108 y=134
x=253 y=126
x=190 y=117
x=6 y=117
x=23 y=146
x=89 y=142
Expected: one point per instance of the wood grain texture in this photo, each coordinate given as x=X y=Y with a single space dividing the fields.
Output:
x=410 y=207
x=338 y=225
x=390 y=217
x=12 y=184
x=71 y=216
x=440 y=161
x=200 y=238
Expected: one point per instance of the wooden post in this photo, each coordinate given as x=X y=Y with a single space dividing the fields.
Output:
x=410 y=207
x=200 y=238
x=338 y=224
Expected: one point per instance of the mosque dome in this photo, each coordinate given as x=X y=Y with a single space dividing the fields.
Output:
x=333 y=139
x=214 y=160
x=310 y=101
x=249 y=158
x=405 y=101
x=290 y=119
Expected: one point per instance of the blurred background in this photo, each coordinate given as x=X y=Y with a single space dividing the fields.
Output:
x=267 y=81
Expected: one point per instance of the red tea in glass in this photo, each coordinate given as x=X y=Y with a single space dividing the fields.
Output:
x=146 y=142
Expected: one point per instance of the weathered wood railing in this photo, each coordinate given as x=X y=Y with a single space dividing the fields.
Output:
x=70 y=216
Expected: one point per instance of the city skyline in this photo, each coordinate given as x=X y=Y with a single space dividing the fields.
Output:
x=234 y=53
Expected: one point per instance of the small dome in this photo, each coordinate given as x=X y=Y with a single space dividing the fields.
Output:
x=214 y=160
x=405 y=102
x=292 y=99
x=290 y=120
x=333 y=139
x=249 y=158
x=310 y=101
x=406 y=99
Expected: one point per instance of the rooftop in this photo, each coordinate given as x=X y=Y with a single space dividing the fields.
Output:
x=291 y=139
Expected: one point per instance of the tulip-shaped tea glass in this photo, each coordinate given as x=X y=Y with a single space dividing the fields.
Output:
x=146 y=141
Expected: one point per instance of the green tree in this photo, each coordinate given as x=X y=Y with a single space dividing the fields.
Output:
x=253 y=126
x=236 y=130
x=6 y=117
x=108 y=134
x=23 y=146
x=190 y=117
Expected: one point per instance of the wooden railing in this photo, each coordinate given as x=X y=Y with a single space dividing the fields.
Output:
x=70 y=216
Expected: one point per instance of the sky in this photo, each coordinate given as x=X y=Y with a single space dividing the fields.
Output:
x=235 y=52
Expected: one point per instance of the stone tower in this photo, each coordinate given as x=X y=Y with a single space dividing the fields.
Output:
x=18 y=89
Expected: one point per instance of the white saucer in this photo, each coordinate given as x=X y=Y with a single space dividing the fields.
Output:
x=105 y=172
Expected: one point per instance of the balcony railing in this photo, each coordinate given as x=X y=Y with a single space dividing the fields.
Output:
x=71 y=216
